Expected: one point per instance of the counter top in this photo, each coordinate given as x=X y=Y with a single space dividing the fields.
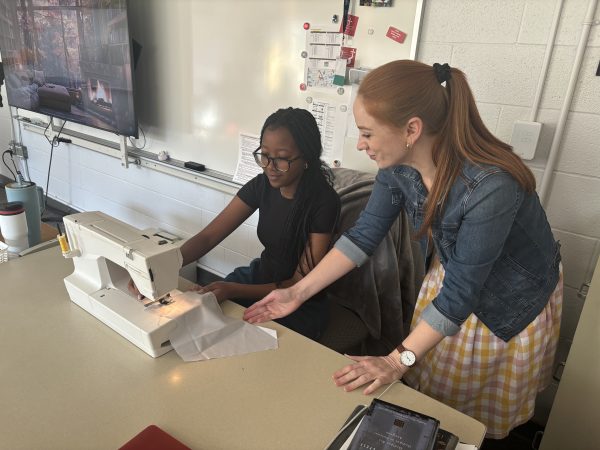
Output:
x=69 y=381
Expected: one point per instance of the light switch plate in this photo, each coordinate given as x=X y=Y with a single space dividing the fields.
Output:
x=525 y=137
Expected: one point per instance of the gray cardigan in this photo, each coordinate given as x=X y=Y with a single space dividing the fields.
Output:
x=383 y=290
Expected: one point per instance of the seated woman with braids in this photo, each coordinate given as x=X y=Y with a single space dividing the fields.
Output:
x=298 y=210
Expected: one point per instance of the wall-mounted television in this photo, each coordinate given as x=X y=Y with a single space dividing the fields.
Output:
x=70 y=59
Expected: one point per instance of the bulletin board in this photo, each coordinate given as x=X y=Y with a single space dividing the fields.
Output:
x=210 y=71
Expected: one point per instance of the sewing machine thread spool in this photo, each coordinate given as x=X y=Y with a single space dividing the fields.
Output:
x=64 y=244
x=13 y=226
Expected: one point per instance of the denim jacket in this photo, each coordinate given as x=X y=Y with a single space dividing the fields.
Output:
x=493 y=239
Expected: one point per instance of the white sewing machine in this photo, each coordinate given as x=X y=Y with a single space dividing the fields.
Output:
x=107 y=253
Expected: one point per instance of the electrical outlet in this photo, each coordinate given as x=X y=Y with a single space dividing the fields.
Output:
x=525 y=137
x=19 y=149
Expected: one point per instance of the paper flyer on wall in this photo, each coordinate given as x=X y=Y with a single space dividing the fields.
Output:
x=331 y=119
x=352 y=130
x=323 y=49
x=246 y=167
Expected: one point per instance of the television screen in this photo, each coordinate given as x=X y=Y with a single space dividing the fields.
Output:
x=70 y=59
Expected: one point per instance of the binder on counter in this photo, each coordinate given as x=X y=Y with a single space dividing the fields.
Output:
x=154 y=438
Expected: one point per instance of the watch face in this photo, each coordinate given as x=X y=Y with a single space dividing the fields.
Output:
x=407 y=358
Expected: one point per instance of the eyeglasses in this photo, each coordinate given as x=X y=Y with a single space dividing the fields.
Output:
x=279 y=164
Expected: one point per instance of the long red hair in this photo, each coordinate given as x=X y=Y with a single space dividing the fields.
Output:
x=399 y=90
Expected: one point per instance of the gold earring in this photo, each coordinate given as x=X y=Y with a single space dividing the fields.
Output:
x=408 y=146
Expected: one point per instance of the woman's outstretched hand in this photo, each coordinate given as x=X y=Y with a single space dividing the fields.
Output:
x=376 y=370
x=279 y=303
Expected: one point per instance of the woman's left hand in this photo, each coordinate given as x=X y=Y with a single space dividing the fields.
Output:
x=278 y=303
x=376 y=370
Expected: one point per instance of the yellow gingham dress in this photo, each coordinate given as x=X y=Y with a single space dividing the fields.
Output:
x=479 y=374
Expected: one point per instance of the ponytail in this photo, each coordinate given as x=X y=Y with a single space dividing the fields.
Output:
x=400 y=90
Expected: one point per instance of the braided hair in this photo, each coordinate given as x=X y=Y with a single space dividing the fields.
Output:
x=304 y=130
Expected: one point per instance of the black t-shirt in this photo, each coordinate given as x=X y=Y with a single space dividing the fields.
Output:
x=276 y=264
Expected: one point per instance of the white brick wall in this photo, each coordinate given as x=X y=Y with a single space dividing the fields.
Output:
x=87 y=181
x=500 y=46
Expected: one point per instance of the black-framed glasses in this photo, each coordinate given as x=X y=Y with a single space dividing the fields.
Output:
x=279 y=164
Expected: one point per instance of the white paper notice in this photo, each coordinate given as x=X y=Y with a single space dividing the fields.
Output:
x=352 y=130
x=247 y=168
x=331 y=131
x=323 y=50
x=320 y=73
x=205 y=332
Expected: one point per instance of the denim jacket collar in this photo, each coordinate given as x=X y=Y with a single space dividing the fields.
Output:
x=414 y=177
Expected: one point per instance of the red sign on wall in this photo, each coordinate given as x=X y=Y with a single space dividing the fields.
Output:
x=396 y=35
x=351 y=24
x=349 y=54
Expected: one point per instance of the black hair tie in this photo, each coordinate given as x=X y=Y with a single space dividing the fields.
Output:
x=442 y=72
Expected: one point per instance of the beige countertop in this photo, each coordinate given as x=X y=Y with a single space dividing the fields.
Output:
x=70 y=382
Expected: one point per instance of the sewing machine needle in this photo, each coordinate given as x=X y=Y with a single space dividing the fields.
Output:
x=163 y=301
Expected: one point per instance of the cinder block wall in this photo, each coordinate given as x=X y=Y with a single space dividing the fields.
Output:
x=500 y=45
x=88 y=181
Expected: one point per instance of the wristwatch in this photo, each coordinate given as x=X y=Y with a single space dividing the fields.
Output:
x=407 y=357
